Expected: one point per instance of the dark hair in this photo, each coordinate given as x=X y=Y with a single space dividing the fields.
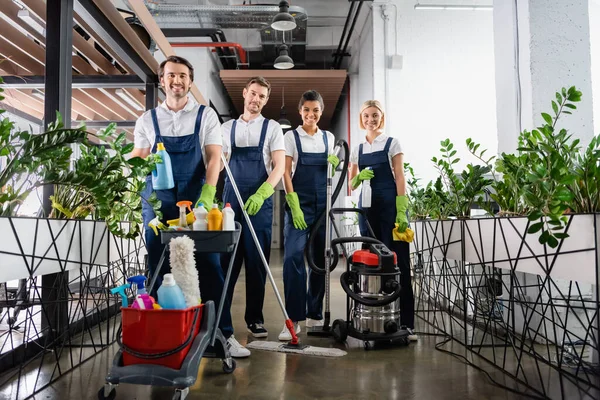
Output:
x=176 y=60
x=261 y=81
x=311 y=95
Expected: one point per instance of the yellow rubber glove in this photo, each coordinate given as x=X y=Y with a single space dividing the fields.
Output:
x=364 y=175
x=406 y=236
x=255 y=202
x=334 y=161
x=297 y=214
x=401 y=218
x=189 y=218
x=207 y=196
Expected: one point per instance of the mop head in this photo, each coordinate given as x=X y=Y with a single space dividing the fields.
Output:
x=183 y=268
x=284 y=348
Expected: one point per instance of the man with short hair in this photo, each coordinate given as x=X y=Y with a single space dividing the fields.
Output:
x=192 y=137
x=257 y=162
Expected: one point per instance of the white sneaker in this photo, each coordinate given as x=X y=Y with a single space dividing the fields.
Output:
x=236 y=349
x=313 y=322
x=285 y=334
x=412 y=336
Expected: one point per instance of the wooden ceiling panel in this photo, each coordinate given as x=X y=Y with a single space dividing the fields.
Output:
x=292 y=83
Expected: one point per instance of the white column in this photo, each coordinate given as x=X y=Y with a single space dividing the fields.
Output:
x=541 y=46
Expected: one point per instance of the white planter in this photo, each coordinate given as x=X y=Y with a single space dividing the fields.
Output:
x=34 y=247
x=504 y=243
x=440 y=238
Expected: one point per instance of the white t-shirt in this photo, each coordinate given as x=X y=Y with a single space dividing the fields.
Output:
x=310 y=144
x=247 y=134
x=180 y=123
x=377 y=145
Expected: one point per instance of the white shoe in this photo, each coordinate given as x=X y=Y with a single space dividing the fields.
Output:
x=236 y=349
x=412 y=336
x=285 y=334
x=310 y=323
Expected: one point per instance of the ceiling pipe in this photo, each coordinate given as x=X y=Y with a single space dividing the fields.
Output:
x=339 y=56
x=240 y=49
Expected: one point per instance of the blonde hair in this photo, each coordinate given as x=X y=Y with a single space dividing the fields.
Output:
x=377 y=105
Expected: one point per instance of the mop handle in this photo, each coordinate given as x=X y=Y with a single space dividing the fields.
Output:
x=336 y=151
x=256 y=242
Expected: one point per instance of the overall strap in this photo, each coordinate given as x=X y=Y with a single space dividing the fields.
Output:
x=388 y=143
x=326 y=141
x=232 y=134
x=198 y=120
x=155 y=123
x=263 y=133
x=298 y=143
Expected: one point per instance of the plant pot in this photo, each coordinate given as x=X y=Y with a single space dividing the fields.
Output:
x=440 y=238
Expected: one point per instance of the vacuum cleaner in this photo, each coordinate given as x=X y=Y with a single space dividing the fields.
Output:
x=372 y=285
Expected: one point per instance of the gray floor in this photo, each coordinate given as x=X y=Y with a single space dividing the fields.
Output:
x=417 y=371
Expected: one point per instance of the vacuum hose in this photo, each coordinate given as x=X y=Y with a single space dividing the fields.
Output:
x=308 y=251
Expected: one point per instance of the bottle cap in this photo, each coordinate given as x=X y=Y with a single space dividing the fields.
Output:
x=215 y=206
x=169 y=280
x=160 y=146
x=227 y=205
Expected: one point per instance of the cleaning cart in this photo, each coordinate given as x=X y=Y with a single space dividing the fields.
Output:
x=189 y=334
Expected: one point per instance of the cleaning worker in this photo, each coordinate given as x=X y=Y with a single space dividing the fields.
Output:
x=191 y=135
x=308 y=149
x=379 y=159
x=256 y=154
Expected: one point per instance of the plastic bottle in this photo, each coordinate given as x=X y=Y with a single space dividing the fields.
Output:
x=162 y=176
x=170 y=296
x=200 y=224
x=215 y=219
x=182 y=215
x=366 y=193
x=140 y=281
x=228 y=218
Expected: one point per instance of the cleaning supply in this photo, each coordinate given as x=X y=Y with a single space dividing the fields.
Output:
x=366 y=192
x=200 y=223
x=170 y=296
x=162 y=176
x=155 y=224
x=228 y=218
x=189 y=218
x=215 y=219
x=121 y=290
x=144 y=302
x=183 y=268
x=182 y=216
x=406 y=236
x=139 y=281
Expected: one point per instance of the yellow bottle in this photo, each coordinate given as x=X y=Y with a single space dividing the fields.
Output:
x=215 y=219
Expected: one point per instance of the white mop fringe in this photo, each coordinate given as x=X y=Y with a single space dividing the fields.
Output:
x=183 y=268
x=309 y=350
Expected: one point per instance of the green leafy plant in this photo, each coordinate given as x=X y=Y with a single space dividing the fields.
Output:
x=418 y=205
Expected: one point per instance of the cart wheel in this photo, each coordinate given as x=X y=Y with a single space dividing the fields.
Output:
x=229 y=369
x=339 y=330
x=181 y=394
x=111 y=395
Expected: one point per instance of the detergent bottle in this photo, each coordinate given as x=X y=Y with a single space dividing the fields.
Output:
x=183 y=220
x=228 y=218
x=366 y=193
x=200 y=224
x=170 y=296
x=215 y=219
x=162 y=176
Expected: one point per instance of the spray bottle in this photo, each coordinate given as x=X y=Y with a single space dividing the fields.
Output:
x=121 y=290
x=138 y=280
x=162 y=176
x=182 y=215
x=366 y=192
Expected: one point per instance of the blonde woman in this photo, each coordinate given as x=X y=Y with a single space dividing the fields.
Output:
x=379 y=159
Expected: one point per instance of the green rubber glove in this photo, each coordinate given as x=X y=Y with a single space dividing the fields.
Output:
x=297 y=214
x=334 y=161
x=401 y=218
x=207 y=196
x=255 y=202
x=364 y=175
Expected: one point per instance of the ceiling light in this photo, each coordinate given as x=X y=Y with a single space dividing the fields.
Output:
x=283 y=61
x=283 y=21
x=457 y=7
x=125 y=97
x=31 y=21
x=283 y=121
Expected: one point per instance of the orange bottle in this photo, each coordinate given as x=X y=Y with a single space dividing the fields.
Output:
x=215 y=219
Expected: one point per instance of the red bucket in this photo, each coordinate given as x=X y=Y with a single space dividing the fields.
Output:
x=160 y=337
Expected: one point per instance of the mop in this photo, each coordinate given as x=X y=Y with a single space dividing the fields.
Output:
x=293 y=346
x=183 y=268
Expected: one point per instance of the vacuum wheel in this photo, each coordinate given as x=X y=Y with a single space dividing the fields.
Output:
x=229 y=369
x=339 y=330
x=111 y=395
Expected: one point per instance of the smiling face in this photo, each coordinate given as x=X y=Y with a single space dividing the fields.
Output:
x=176 y=80
x=255 y=98
x=371 y=118
x=311 y=112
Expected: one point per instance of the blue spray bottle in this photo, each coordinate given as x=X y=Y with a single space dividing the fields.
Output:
x=139 y=281
x=121 y=290
x=162 y=176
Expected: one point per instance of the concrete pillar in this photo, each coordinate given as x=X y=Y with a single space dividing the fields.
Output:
x=541 y=46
